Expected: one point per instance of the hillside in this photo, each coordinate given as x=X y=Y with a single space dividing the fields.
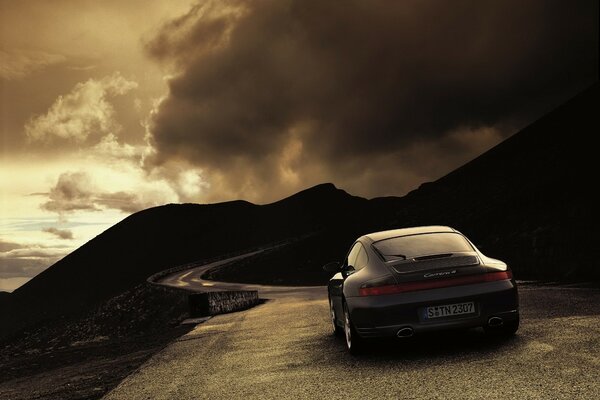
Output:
x=159 y=238
x=526 y=201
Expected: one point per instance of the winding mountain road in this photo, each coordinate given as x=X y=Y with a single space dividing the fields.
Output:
x=191 y=279
x=284 y=348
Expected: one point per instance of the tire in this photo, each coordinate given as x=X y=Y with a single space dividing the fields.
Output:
x=337 y=330
x=507 y=329
x=354 y=343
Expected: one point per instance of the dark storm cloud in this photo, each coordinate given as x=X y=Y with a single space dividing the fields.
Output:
x=273 y=95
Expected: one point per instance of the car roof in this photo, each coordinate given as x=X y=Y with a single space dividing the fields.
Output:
x=376 y=236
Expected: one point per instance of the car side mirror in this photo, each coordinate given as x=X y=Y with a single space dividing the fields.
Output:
x=333 y=267
x=347 y=271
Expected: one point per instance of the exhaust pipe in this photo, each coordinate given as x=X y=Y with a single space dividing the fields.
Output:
x=405 y=332
x=495 y=321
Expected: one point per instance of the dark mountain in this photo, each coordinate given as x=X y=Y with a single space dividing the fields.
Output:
x=526 y=201
x=4 y=296
x=158 y=238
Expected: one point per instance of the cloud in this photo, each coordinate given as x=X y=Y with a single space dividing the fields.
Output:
x=111 y=176
x=84 y=112
x=77 y=191
x=60 y=233
x=124 y=201
x=381 y=174
x=73 y=191
x=33 y=253
x=16 y=64
x=271 y=96
x=28 y=261
x=8 y=246
x=110 y=150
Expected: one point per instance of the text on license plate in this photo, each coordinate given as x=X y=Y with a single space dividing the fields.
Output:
x=449 y=309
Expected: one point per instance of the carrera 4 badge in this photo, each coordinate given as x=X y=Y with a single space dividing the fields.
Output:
x=435 y=274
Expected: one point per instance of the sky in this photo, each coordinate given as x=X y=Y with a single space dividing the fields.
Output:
x=109 y=107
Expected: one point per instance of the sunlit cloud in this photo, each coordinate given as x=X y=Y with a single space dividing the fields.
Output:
x=79 y=191
x=108 y=149
x=60 y=233
x=32 y=253
x=113 y=176
x=72 y=192
x=83 y=112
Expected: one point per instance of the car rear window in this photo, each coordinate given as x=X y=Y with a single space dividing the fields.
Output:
x=425 y=244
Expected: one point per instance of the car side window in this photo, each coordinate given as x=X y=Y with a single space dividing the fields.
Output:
x=351 y=259
x=361 y=259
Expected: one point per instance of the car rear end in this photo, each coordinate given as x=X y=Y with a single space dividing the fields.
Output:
x=440 y=291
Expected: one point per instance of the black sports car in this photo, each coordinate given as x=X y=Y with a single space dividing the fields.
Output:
x=406 y=281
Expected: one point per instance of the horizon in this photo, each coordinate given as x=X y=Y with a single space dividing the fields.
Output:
x=106 y=112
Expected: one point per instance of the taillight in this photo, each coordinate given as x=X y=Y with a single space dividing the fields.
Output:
x=378 y=291
x=434 y=284
x=497 y=276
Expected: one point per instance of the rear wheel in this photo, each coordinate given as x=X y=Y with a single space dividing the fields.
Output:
x=507 y=329
x=337 y=330
x=354 y=343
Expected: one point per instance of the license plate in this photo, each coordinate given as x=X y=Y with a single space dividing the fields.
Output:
x=449 y=310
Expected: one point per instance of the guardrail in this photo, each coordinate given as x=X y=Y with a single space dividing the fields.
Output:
x=214 y=303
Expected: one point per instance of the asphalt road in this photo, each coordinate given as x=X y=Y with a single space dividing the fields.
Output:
x=284 y=348
x=191 y=279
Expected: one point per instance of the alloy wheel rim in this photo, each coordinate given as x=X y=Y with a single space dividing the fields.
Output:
x=332 y=311
x=347 y=328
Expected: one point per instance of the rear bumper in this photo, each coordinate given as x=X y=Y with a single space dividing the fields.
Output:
x=380 y=316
